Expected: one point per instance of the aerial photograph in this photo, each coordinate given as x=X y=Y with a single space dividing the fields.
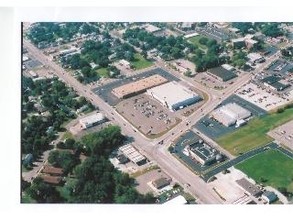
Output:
x=156 y=113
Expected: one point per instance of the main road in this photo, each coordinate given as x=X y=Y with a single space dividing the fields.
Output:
x=191 y=182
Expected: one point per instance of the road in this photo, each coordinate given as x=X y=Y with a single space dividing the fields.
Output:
x=180 y=173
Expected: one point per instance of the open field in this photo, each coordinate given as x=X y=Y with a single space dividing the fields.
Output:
x=254 y=134
x=195 y=41
x=140 y=62
x=271 y=167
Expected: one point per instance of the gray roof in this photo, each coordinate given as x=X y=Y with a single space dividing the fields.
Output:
x=249 y=187
x=222 y=73
x=271 y=196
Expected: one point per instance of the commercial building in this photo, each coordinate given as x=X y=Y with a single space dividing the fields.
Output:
x=249 y=187
x=92 y=120
x=275 y=83
x=161 y=182
x=132 y=154
x=173 y=95
x=230 y=114
x=151 y=28
x=203 y=153
x=139 y=86
x=178 y=200
x=222 y=74
x=246 y=41
x=255 y=58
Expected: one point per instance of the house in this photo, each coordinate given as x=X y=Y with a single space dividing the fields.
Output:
x=54 y=180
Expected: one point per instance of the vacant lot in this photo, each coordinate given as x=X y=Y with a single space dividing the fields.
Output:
x=254 y=134
x=271 y=167
x=140 y=62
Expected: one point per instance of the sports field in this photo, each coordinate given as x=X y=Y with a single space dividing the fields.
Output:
x=254 y=134
x=140 y=62
x=272 y=168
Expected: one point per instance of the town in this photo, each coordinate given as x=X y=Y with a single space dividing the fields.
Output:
x=157 y=113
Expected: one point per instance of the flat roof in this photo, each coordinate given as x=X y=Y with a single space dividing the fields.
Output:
x=172 y=93
x=203 y=150
x=222 y=73
x=151 y=28
x=92 y=119
x=139 y=86
x=249 y=187
x=179 y=200
x=230 y=113
x=131 y=153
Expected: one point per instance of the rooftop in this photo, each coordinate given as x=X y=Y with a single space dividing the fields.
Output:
x=249 y=187
x=222 y=73
x=161 y=182
x=92 y=118
x=51 y=179
x=52 y=170
x=172 y=93
x=139 y=86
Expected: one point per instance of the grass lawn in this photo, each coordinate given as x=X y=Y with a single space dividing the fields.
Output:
x=67 y=135
x=103 y=72
x=253 y=134
x=272 y=166
x=140 y=62
x=195 y=41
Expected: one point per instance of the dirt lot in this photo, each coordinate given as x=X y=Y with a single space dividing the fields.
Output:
x=284 y=134
x=147 y=115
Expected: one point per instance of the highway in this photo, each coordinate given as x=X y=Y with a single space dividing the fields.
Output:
x=179 y=172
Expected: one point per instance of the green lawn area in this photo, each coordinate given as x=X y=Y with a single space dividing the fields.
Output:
x=253 y=134
x=195 y=41
x=140 y=62
x=103 y=72
x=272 y=167
x=67 y=135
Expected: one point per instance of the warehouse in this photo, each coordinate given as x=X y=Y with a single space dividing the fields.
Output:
x=230 y=114
x=139 y=86
x=132 y=154
x=222 y=74
x=92 y=120
x=275 y=83
x=173 y=95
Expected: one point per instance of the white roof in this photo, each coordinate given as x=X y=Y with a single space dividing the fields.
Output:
x=230 y=113
x=190 y=35
x=179 y=200
x=131 y=153
x=172 y=93
x=124 y=62
x=228 y=67
x=254 y=56
x=151 y=28
x=92 y=119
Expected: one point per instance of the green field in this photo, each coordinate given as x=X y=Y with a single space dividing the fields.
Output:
x=253 y=134
x=103 y=72
x=195 y=41
x=272 y=168
x=140 y=62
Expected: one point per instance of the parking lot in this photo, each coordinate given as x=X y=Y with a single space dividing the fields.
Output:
x=211 y=82
x=214 y=129
x=283 y=134
x=262 y=97
x=105 y=91
x=147 y=115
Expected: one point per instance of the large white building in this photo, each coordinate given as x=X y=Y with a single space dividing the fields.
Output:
x=92 y=120
x=230 y=114
x=173 y=95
